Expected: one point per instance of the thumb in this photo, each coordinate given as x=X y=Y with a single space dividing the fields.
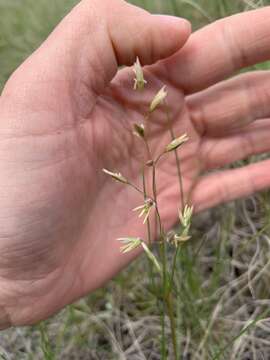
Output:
x=134 y=32
x=100 y=35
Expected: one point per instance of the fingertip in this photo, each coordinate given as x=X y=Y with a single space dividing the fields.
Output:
x=176 y=24
x=171 y=34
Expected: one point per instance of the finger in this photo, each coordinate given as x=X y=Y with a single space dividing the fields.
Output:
x=218 y=50
x=231 y=104
x=252 y=140
x=98 y=36
x=229 y=185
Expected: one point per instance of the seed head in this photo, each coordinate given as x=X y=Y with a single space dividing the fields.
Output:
x=145 y=209
x=150 y=163
x=185 y=220
x=139 y=130
x=158 y=99
x=179 y=239
x=129 y=244
x=176 y=143
x=139 y=81
x=116 y=176
x=186 y=216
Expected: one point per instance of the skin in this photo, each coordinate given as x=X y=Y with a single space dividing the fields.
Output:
x=68 y=112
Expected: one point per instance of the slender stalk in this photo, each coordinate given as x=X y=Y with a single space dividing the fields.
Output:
x=169 y=302
x=164 y=268
x=140 y=191
x=148 y=231
x=161 y=231
x=162 y=251
x=145 y=197
x=174 y=267
x=164 y=264
x=177 y=158
x=148 y=150
x=167 y=299
x=182 y=204
x=167 y=285
x=136 y=188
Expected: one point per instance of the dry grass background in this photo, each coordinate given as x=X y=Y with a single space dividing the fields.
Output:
x=223 y=275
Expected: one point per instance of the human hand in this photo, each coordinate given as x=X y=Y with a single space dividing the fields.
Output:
x=63 y=121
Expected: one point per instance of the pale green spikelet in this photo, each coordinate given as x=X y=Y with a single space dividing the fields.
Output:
x=129 y=244
x=139 y=130
x=116 y=176
x=176 y=143
x=185 y=218
x=158 y=99
x=145 y=209
x=139 y=81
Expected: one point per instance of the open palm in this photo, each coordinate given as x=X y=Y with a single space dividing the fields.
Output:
x=65 y=120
